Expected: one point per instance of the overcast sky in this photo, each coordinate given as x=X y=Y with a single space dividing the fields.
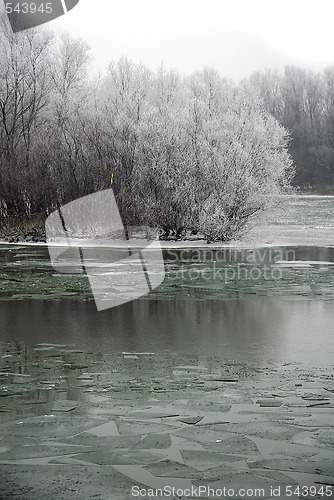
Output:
x=236 y=37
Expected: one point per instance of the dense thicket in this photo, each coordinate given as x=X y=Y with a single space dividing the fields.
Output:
x=187 y=153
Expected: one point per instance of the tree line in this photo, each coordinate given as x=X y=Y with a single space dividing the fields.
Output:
x=186 y=153
x=303 y=102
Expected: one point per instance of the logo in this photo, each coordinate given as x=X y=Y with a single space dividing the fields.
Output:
x=23 y=15
x=87 y=236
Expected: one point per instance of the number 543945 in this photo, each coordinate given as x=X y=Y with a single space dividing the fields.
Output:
x=28 y=8
x=311 y=491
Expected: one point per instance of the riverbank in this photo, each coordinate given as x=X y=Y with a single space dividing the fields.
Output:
x=31 y=230
x=306 y=220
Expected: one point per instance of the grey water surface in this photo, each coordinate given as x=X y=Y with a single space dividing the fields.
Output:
x=256 y=303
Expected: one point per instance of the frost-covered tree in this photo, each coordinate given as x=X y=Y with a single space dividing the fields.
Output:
x=245 y=165
x=25 y=87
x=209 y=161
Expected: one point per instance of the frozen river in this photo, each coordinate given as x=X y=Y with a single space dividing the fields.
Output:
x=255 y=303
